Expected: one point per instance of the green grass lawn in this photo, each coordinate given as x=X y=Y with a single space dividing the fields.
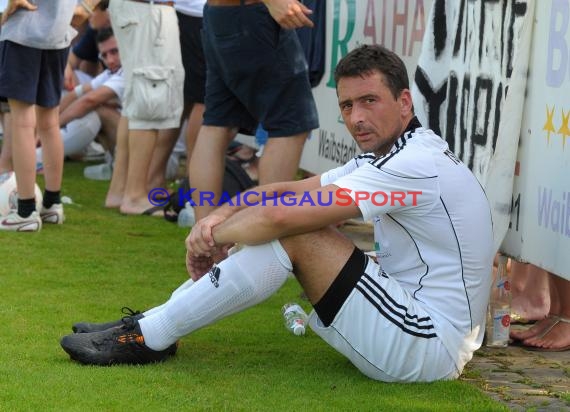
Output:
x=100 y=261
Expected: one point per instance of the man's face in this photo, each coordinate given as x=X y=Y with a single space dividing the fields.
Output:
x=109 y=53
x=374 y=118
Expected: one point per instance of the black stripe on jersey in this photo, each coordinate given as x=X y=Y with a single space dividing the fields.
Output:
x=461 y=261
x=399 y=145
x=408 y=177
x=367 y=157
x=396 y=322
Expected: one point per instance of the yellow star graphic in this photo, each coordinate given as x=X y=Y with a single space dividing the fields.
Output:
x=565 y=128
x=549 y=125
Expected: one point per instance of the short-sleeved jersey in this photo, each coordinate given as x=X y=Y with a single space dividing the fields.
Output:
x=114 y=81
x=432 y=231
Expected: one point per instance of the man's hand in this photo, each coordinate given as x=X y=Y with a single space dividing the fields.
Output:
x=290 y=14
x=14 y=5
x=198 y=266
x=201 y=249
x=200 y=241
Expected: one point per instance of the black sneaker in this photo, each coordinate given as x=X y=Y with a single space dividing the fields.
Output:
x=119 y=345
x=87 y=327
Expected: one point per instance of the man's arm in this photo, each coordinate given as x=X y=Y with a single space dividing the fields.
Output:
x=86 y=103
x=290 y=14
x=295 y=215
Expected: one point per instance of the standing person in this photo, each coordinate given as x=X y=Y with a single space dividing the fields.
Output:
x=415 y=313
x=256 y=73
x=94 y=103
x=190 y=13
x=34 y=44
x=148 y=37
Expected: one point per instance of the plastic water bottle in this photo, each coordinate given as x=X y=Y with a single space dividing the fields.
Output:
x=186 y=217
x=295 y=318
x=499 y=309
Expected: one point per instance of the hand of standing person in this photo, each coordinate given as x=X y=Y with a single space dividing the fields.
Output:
x=290 y=14
x=14 y=5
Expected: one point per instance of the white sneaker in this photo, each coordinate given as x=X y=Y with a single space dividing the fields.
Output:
x=53 y=214
x=93 y=152
x=103 y=171
x=15 y=223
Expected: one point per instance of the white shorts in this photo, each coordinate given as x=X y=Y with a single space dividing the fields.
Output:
x=379 y=327
x=149 y=43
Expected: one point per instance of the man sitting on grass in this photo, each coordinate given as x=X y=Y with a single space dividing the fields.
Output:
x=415 y=313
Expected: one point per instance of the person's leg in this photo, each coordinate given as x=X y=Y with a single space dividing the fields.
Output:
x=23 y=147
x=206 y=169
x=558 y=336
x=109 y=126
x=193 y=128
x=6 y=153
x=162 y=151
x=116 y=190
x=540 y=327
x=280 y=159
x=141 y=144
x=76 y=135
x=50 y=137
x=235 y=284
x=530 y=291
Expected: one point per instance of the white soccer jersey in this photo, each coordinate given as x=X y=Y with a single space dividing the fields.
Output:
x=114 y=81
x=438 y=243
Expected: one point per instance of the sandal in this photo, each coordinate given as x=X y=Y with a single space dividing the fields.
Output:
x=557 y=320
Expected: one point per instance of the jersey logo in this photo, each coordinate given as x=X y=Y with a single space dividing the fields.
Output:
x=214 y=274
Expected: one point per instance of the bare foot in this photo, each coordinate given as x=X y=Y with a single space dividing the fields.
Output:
x=137 y=208
x=557 y=338
x=113 y=201
x=535 y=330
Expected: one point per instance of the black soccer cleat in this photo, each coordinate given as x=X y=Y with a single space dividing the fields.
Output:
x=88 y=327
x=119 y=345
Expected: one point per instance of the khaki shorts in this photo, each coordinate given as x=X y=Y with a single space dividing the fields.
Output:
x=149 y=43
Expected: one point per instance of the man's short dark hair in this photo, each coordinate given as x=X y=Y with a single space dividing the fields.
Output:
x=369 y=58
x=104 y=35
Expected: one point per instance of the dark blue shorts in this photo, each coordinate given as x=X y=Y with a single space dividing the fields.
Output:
x=256 y=73
x=31 y=75
x=192 y=58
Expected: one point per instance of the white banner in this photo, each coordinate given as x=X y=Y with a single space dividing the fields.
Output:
x=540 y=222
x=469 y=88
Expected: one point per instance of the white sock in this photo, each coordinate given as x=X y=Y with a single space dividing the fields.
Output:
x=242 y=280
x=180 y=288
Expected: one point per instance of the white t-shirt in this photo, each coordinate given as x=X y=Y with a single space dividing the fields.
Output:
x=47 y=28
x=114 y=81
x=190 y=7
x=440 y=247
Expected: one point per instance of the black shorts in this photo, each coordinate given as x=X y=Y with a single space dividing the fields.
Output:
x=31 y=75
x=256 y=73
x=192 y=58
